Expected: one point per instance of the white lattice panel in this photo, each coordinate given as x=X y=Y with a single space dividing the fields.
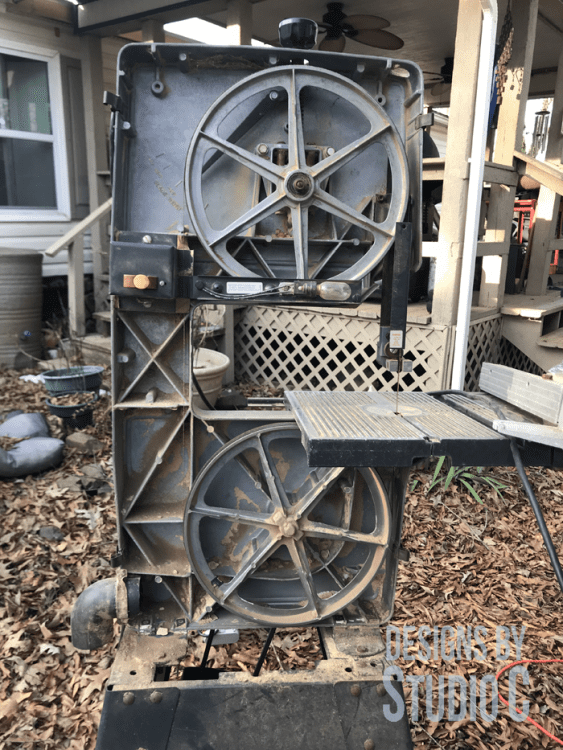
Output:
x=301 y=349
x=482 y=346
x=511 y=356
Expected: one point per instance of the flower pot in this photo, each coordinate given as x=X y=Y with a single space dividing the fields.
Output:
x=77 y=416
x=209 y=368
x=73 y=379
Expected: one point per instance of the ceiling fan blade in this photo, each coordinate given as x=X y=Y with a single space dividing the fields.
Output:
x=366 y=22
x=441 y=88
x=333 y=45
x=377 y=38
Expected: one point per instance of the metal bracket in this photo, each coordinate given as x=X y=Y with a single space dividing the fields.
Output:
x=424 y=121
x=395 y=295
x=113 y=101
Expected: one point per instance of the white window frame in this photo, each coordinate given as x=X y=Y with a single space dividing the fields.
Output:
x=62 y=187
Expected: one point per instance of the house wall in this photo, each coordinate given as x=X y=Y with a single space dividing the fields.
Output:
x=25 y=34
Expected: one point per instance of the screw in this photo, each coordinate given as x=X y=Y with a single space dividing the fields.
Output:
x=182 y=56
x=330 y=151
x=155 y=697
x=158 y=579
x=274 y=95
x=356 y=690
x=147 y=239
x=369 y=745
x=128 y=698
x=381 y=689
x=161 y=283
x=361 y=649
x=263 y=149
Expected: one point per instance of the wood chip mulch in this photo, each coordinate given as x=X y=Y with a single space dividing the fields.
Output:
x=471 y=564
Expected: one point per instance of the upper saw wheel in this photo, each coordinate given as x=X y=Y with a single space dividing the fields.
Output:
x=299 y=155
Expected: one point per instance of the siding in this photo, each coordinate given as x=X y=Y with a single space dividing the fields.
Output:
x=42 y=34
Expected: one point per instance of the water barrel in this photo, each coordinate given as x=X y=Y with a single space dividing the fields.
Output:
x=20 y=307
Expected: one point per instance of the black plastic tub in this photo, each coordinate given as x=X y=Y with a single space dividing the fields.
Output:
x=77 y=416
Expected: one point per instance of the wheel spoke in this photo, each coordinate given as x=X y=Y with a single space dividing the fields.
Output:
x=296 y=140
x=308 y=502
x=267 y=169
x=300 y=220
x=277 y=491
x=249 y=567
x=328 y=166
x=250 y=218
x=322 y=531
x=299 y=557
x=259 y=257
x=337 y=207
x=234 y=516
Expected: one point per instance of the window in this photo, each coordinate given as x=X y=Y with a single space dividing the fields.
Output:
x=31 y=126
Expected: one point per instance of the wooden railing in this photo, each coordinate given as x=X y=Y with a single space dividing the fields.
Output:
x=545 y=173
x=74 y=241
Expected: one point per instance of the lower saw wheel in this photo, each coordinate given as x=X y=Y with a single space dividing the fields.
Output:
x=281 y=543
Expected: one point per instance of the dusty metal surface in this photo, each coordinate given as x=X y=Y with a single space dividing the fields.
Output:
x=279 y=542
x=338 y=704
x=381 y=429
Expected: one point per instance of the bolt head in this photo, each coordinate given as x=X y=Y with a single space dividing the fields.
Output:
x=155 y=697
x=289 y=528
x=147 y=239
x=369 y=745
x=381 y=689
x=356 y=690
x=128 y=698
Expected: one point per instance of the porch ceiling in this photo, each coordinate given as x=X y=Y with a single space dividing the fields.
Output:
x=428 y=29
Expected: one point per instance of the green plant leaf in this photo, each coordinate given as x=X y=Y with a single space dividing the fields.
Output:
x=413 y=485
x=435 y=479
x=451 y=474
x=472 y=491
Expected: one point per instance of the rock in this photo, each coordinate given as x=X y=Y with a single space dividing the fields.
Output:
x=72 y=483
x=84 y=443
x=92 y=486
x=52 y=533
x=93 y=470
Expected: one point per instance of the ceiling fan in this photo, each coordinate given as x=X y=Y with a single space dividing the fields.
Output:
x=336 y=26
